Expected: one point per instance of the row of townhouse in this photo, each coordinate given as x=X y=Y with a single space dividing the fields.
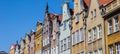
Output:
x=96 y=27
x=92 y=28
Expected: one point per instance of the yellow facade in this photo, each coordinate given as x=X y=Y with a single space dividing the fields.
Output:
x=76 y=26
x=38 y=38
x=27 y=40
x=113 y=38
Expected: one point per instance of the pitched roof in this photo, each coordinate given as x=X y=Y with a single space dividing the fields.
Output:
x=87 y=2
x=104 y=2
x=59 y=16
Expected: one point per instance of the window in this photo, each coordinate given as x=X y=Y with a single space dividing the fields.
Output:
x=89 y=35
x=91 y=14
x=90 y=52
x=111 y=50
x=109 y=26
x=61 y=45
x=73 y=38
x=54 y=34
x=81 y=34
x=82 y=52
x=68 y=42
x=99 y=31
x=94 y=33
x=65 y=46
x=94 y=13
x=77 y=18
x=118 y=48
x=64 y=25
x=47 y=40
x=77 y=36
x=116 y=24
x=99 y=51
x=95 y=52
x=43 y=43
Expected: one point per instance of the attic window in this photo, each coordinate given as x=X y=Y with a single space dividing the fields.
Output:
x=77 y=18
x=91 y=14
x=94 y=13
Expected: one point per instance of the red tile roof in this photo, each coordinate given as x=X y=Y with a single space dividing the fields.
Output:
x=102 y=2
x=59 y=17
x=87 y=2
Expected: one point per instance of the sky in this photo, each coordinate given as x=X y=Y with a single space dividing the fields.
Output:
x=18 y=17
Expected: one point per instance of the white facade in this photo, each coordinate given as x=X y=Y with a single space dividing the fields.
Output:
x=64 y=46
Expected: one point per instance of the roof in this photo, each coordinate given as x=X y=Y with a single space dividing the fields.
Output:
x=59 y=16
x=87 y=2
x=103 y=2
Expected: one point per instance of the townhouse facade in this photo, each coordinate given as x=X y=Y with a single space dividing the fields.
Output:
x=12 y=49
x=56 y=20
x=22 y=46
x=95 y=41
x=64 y=37
x=38 y=38
x=17 y=48
x=112 y=27
x=32 y=42
x=47 y=31
x=78 y=45
x=27 y=44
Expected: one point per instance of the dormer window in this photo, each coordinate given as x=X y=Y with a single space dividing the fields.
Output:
x=77 y=18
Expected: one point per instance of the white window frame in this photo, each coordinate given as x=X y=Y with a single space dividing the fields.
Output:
x=118 y=48
x=64 y=46
x=111 y=50
x=89 y=35
x=72 y=39
x=90 y=52
x=99 y=29
x=116 y=24
x=77 y=17
x=77 y=36
x=110 y=26
x=61 y=46
x=94 y=33
x=81 y=34
x=68 y=38
x=95 y=52
x=100 y=51
x=82 y=52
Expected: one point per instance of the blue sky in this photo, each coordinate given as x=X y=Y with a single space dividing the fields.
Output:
x=18 y=17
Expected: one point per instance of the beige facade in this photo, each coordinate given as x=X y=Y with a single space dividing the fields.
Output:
x=78 y=29
x=95 y=42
